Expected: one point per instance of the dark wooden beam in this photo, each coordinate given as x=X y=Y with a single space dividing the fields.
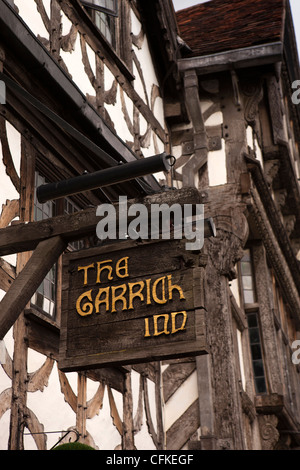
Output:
x=239 y=58
x=27 y=282
x=26 y=237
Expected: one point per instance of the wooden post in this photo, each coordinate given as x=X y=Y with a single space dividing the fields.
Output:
x=127 y=435
x=81 y=406
x=27 y=282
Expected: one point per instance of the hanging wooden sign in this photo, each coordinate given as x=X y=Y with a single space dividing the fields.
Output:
x=137 y=304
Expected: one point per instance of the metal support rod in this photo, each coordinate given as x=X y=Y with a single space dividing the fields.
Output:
x=109 y=176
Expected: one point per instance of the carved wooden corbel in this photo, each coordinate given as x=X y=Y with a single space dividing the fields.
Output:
x=268 y=431
x=225 y=251
x=280 y=198
x=271 y=169
x=253 y=94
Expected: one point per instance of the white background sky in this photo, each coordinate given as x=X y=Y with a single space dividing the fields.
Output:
x=295 y=6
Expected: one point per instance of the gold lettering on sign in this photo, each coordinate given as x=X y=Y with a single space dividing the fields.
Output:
x=174 y=315
x=102 y=268
x=87 y=308
x=159 y=291
x=138 y=293
x=147 y=332
x=104 y=300
x=148 y=282
x=165 y=330
x=163 y=300
x=155 y=322
x=118 y=297
x=171 y=288
x=85 y=269
x=124 y=268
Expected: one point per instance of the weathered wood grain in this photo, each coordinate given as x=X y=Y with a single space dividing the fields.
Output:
x=164 y=320
x=25 y=237
x=28 y=281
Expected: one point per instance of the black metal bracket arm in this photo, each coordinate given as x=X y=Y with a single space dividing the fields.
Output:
x=107 y=177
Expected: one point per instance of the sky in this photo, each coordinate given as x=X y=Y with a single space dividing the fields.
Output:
x=295 y=6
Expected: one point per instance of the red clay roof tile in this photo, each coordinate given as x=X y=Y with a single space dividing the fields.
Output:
x=223 y=25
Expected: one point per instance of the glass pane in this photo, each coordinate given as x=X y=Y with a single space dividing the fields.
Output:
x=47 y=289
x=38 y=214
x=247 y=282
x=256 y=351
x=46 y=306
x=39 y=300
x=252 y=320
x=108 y=4
x=51 y=308
x=248 y=297
x=254 y=335
x=246 y=269
x=41 y=288
x=258 y=368
x=260 y=385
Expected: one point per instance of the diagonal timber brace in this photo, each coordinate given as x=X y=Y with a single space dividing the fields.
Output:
x=24 y=286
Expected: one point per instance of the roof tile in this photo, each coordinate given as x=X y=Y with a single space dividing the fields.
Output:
x=223 y=25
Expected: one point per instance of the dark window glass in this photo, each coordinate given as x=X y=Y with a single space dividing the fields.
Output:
x=44 y=298
x=256 y=353
x=103 y=13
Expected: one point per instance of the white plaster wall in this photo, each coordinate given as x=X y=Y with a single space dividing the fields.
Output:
x=254 y=145
x=235 y=291
x=7 y=189
x=149 y=75
x=241 y=358
x=104 y=433
x=142 y=438
x=29 y=14
x=73 y=61
x=181 y=400
x=49 y=405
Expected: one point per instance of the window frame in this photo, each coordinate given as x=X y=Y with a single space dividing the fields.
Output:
x=63 y=206
x=51 y=277
x=251 y=309
x=101 y=16
x=107 y=11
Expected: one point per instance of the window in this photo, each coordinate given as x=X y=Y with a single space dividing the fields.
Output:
x=256 y=353
x=252 y=313
x=247 y=278
x=104 y=13
x=44 y=298
x=70 y=208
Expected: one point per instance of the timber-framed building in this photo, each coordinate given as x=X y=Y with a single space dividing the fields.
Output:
x=90 y=84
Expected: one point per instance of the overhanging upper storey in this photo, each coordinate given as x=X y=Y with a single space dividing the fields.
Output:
x=227 y=34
